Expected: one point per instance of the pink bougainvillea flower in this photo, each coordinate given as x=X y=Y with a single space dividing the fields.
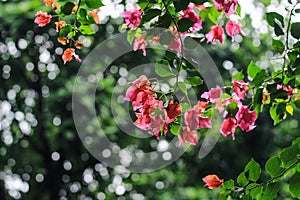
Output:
x=212 y=181
x=69 y=54
x=228 y=6
x=200 y=7
x=216 y=33
x=191 y=118
x=188 y=135
x=173 y=111
x=49 y=2
x=94 y=14
x=213 y=94
x=155 y=39
x=204 y=122
x=143 y=121
x=246 y=118
x=42 y=19
x=190 y=14
x=158 y=125
x=228 y=127
x=233 y=28
x=133 y=17
x=175 y=45
x=240 y=88
x=140 y=43
x=287 y=88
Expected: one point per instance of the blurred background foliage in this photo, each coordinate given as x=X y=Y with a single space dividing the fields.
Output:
x=41 y=155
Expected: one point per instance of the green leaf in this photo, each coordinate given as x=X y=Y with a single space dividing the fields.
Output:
x=295 y=30
x=232 y=109
x=298 y=167
x=164 y=21
x=130 y=36
x=252 y=69
x=271 y=18
x=229 y=184
x=277 y=28
x=194 y=81
x=239 y=76
x=65 y=31
x=289 y=155
x=260 y=77
x=256 y=192
x=297 y=103
x=273 y=166
x=242 y=179
x=184 y=24
x=270 y=192
x=182 y=86
x=181 y=5
x=294 y=187
x=86 y=30
x=254 y=170
x=67 y=8
x=175 y=129
x=278 y=46
x=150 y=14
x=163 y=70
x=94 y=4
x=274 y=115
x=185 y=107
x=213 y=14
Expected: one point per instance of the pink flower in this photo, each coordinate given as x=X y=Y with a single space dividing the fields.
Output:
x=133 y=17
x=212 y=181
x=233 y=28
x=94 y=14
x=228 y=6
x=216 y=33
x=286 y=88
x=143 y=121
x=69 y=54
x=42 y=19
x=157 y=125
x=213 y=95
x=173 y=111
x=190 y=14
x=246 y=118
x=191 y=118
x=175 y=45
x=228 y=127
x=204 y=122
x=188 y=136
x=240 y=88
x=140 y=43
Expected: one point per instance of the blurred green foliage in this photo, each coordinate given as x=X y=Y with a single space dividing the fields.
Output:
x=41 y=155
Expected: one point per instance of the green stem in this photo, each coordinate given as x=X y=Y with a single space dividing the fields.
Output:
x=181 y=56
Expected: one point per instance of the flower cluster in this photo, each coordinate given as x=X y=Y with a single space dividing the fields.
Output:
x=150 y=112
x=66 y=31
x=154 y=117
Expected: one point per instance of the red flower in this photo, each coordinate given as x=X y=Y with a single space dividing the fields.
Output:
x=173 y=110
x=233 y=28
x=216 y=33
x=133 y=17
x=69 y=54
x=246 y=118
x=228 y=127
x=188 y=136
x=140 y=43
x=42 y=19
x=240 y=88
x=212 y=181
x=204 y=122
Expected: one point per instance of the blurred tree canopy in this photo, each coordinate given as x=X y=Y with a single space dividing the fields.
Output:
x=41 y=155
